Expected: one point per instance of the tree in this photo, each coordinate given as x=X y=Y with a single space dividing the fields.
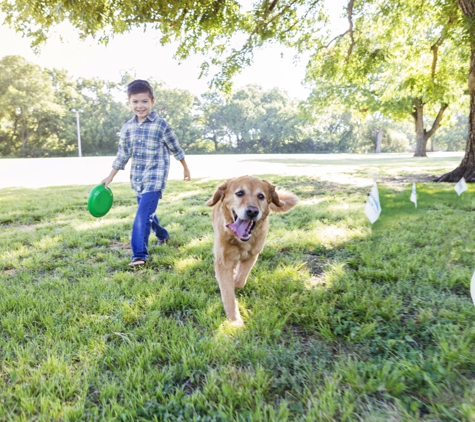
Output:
x=102 y=116
x=180 y=108
x=466 y=168
x=253 y=121
x=210 y=25
x=213 y=122
x=28 y=111
x=399 y=61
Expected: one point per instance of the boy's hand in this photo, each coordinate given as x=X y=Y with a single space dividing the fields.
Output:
x=187 y=175
x=106 y=181
x=109 y=178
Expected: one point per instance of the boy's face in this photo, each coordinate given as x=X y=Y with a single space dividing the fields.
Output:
x=141 y=105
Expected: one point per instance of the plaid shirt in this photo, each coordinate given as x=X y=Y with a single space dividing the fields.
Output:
x=149 y=145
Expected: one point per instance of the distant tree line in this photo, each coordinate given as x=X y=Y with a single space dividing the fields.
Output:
x=37 y=119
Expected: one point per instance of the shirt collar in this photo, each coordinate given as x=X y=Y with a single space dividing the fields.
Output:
x=151 y=117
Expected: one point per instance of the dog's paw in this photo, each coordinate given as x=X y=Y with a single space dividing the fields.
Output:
x=237 y=323
x=230 y=328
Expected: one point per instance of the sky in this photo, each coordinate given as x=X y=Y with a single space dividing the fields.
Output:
x=140 y=52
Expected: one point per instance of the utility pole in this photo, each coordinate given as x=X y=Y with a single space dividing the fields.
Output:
x=79 y=130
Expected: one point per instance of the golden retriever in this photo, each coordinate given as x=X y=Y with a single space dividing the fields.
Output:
x=240 y=222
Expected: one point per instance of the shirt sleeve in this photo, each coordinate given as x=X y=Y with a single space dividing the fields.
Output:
x=171 y=141
x=123 y=153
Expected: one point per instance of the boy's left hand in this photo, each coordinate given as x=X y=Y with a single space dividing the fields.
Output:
x=187 y=175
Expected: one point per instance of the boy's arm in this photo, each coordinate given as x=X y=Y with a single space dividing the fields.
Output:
x=122 y=157
x=186 y=170
x=109 y=178
x=174 y=147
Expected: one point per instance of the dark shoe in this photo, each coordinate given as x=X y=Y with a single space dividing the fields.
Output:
x=161 y=242
x=137 y=263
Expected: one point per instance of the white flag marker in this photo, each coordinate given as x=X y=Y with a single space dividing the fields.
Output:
x=472 y=288
x=461 y=186
x=414 y=194
x=373 y=207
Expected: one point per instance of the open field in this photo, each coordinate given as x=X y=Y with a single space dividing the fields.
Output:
x=344 y=321
x=346 y=168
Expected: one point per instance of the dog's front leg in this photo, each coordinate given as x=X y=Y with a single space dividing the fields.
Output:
x=242 y=272
x=224 y=275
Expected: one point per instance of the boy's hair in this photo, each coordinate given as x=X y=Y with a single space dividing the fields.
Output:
x=138 y=87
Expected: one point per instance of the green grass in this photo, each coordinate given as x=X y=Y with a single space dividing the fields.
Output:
x=344 y=320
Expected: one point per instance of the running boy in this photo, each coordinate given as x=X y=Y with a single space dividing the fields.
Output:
x=148 y=140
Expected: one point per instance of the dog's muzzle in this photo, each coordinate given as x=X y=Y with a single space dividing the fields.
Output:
x=243 y=228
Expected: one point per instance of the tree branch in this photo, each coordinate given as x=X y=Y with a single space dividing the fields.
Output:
x=336 y=38
x=350 y=29
x=437 y=120
x=435 y=48
x=273 y=4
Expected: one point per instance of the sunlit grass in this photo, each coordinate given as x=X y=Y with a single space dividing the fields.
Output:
x=344 y=320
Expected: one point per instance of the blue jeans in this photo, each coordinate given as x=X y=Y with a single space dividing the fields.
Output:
x=145 y=221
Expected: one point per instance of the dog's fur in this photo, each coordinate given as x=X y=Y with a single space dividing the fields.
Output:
x=242 y=205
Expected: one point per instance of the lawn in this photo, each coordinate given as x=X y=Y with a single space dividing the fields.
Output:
x=344 y=321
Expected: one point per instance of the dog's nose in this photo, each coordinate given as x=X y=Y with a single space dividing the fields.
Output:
x=252 y=212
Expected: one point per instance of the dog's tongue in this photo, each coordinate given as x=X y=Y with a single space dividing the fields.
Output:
x=241 y=228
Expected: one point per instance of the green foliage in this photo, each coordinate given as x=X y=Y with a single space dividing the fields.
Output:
x=179 y=108
x=226 y=30
x=36 y=118
x=388 y=57
x=29 y=112
x=344 y=321
x=393 y=59
x=251 y=120
x=452 y=137
x=254 y=121
x=102 y=116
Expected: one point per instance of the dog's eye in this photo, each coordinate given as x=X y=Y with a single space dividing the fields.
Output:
x=240 y=193
x=261 y=196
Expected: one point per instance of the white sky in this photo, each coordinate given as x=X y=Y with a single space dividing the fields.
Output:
x=141 y=52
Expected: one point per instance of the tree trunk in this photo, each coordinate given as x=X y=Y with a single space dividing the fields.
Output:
x=422 y=135
x=466 y=168
x=239 y=144
x=25 y=135
x=379 y=140
x=421 y=142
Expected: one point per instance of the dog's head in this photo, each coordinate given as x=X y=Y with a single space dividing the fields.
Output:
x=248 y=200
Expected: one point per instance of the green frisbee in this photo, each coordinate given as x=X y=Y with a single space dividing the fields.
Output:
x=100 y=201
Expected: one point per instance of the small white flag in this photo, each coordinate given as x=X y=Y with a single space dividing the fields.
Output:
x=461 y=186
x=414 y=194
x=373 y=207
x=472 y=288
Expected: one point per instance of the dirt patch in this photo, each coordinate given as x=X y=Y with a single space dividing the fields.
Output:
x=119 y=246
x=399 y=183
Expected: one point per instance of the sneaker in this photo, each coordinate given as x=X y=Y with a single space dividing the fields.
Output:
x=161 y=242
x=138 y=263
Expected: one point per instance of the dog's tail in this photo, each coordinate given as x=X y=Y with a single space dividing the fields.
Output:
x=287 y=201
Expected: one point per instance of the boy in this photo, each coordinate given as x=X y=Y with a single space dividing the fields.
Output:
x=148 y=141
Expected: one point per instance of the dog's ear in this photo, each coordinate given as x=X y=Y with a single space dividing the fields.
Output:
x=287 y=201
x=281 y=200
x=273 y=194
x=220 y=190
